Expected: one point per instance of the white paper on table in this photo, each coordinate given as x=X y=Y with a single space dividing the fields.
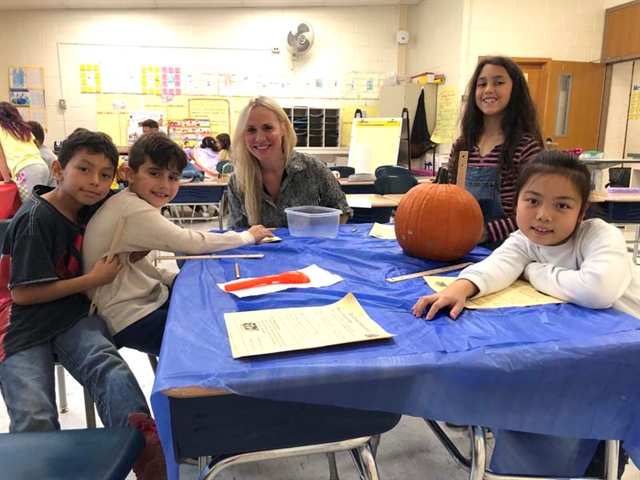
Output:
x=286 y=329
x=386 y=232
x=319 y=278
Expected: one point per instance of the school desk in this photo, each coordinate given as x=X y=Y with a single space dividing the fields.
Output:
x=367 y=186
x=370 y=200
x=191 y=194
x=556 y=369
x=620 y=210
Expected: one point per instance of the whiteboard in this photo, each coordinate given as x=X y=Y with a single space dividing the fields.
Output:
x=374 y=143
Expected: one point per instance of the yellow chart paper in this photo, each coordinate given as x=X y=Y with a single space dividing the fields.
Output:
x=287 y=329
x=519 y=294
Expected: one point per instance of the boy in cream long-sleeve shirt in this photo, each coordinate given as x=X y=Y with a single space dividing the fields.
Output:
x=135 y=304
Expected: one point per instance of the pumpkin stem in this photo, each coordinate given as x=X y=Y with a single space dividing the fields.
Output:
x=443 y=176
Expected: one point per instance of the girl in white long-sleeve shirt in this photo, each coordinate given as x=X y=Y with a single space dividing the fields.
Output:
x=581 y=261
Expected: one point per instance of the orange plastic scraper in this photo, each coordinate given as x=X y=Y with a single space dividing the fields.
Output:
x=285 y=277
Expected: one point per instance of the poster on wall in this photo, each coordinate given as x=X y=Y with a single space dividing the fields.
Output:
x=136 y=117
x=446 y=115
x=171 y=84
x=216 y=110
x=26 y=91
x=90 y=78
x=189 y=131
x=151 y=81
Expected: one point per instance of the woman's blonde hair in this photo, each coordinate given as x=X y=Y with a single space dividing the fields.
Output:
x=246 y=168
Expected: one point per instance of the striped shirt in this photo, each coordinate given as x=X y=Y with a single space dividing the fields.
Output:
x=501 y=228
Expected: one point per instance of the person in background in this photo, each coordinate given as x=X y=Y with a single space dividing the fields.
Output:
x=206 y=157
x=500 y=131
x=44 y=313
x=20 y=159
x=224 y=146
x=135 y=305
x=149 y=126
x=45 y=152
x=269 y=175
x=561 y=254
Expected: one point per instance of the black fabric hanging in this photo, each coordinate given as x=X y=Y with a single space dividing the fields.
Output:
x=420 y=136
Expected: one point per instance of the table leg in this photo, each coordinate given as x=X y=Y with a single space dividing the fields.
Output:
x=478 y=452
x=612 y=452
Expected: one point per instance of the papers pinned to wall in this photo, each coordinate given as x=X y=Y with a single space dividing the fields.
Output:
x=27 y=93
x=446 y=115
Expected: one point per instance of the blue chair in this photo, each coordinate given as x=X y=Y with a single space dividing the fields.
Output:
x=392 y=184
x=220 y=165
x=96 y=454
x=344 y=171
x=391 y=170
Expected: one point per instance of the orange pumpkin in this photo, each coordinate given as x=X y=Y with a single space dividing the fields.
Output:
x=438 y=221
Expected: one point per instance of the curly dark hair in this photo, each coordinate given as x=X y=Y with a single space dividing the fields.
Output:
x=160 y=149
x=95 y=143
x=520 y=116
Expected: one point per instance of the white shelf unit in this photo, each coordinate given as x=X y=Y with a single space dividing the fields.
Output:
x=315 y=127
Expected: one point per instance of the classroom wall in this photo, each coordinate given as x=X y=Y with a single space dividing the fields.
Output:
x=450 y=35
x=360 y=39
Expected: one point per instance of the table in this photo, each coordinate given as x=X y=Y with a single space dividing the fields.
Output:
x=621 y=210
x=556 y=369
x=371 y=200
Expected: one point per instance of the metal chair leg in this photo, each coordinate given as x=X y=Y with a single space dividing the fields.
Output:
x=375 y=443
x=478 y=452
x=89 y=409
x=368 y=462
x=333 y=466
x=153 y=360
x=62 y=389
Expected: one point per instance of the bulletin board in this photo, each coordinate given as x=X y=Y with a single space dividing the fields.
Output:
x=27 y=93
x=113 y=112
x=374 y=142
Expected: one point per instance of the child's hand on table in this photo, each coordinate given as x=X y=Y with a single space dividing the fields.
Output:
x=453 y=297
x=259 y=232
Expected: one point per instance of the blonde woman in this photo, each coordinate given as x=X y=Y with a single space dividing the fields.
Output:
x=269 y=175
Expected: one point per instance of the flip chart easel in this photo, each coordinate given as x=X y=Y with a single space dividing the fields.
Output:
x=374 y=142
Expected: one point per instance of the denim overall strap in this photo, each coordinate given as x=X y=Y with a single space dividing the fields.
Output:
x=482 y=183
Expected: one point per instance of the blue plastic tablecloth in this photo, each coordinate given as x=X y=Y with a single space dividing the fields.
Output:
x=557 y=369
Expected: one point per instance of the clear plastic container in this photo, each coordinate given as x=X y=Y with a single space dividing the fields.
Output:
x=313 y=221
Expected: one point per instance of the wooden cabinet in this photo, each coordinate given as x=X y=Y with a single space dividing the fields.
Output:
x=315 y=127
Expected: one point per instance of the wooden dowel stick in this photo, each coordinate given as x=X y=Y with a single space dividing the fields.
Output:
x=207 y=257
x=461 y=174
x=450 y=268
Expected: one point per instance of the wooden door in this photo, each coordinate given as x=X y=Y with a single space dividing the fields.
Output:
x=573 y=104
x=535 y=71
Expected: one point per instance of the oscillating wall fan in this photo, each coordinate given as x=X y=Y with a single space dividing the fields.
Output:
x=300 y=39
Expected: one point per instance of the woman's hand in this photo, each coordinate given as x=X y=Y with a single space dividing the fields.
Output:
x=259 y=232
x=453 y=297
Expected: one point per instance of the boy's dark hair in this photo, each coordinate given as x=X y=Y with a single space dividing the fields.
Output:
x=150 y=123
x=160 y=149
x=225 y=140
x=37 y=131
x=556 y=162
x=95 y=143
x=520 y=115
